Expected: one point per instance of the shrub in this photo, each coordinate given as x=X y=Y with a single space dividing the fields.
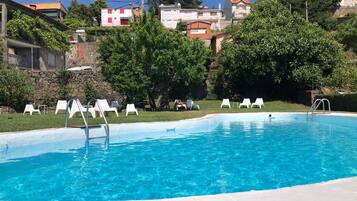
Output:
x=343 y=78
x=89 y=92
x=15 y=91
x=63 y=80
x=347 y=102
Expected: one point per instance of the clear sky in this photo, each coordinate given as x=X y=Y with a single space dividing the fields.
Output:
x=118 y=3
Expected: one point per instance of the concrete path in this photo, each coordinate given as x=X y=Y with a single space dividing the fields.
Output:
x=336 y=190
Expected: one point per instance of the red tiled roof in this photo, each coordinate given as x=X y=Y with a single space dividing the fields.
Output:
x=237 y=1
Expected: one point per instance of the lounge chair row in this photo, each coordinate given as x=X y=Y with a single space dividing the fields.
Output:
x=246 y=103
x=101 y=104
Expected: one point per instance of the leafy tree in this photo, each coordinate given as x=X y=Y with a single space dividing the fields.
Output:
x=73 y=23
x=181 y=26
x=15 y=91
x=96 y=7
x=273 y=49
x=319 y=11
x=343 y=78
x=148 y=61
x=80 y=12
x=37 y=31
x=347 y=34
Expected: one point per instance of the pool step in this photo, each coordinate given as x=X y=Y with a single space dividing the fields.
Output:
x=89 y=126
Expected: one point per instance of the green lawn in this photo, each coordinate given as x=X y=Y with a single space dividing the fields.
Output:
x=18 y=122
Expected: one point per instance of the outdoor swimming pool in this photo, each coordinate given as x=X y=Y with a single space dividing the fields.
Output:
x=212 y=155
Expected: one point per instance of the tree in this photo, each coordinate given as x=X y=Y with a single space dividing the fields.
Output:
x=347 y=34
x=319 y=11
x=15 y=91
x=148 y=61
x=96 y=7
x=80 y=12
x=273 y=49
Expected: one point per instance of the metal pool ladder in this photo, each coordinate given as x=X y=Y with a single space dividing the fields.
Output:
x=315 y=106
x=85 y=118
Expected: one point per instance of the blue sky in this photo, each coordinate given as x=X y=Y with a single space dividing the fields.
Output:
x=118 y=3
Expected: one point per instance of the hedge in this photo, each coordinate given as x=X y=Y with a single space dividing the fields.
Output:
x=347 y=102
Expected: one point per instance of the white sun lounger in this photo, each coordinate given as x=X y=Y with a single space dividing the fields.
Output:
x=61 y=105
x=258 y=103
x=103 y=103
x=226 y=103
x=30 y=109
x=75 y=108
x=246 y=103
x=130 y=108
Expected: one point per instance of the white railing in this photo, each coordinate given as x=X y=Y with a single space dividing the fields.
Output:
x=317 y=103
x=85 y=118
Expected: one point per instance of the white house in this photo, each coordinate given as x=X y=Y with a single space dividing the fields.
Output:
x=172 y=14
x=236 y=9
x=348 y=3
x=118 y=16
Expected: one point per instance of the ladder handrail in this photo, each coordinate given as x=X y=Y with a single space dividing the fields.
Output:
x=316 y=104
x=101 y=113
x=80 y=110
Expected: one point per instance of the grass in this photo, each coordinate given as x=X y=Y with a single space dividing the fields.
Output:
x=18 y=122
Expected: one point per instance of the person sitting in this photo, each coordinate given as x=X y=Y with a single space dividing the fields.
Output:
x=179 y=105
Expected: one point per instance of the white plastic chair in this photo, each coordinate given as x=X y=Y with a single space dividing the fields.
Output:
x=61 y=105
x=75 y=108
x=30 y=109
x=130 y=108
x=258 y=103
x=226 y=103
x=103 y=103
x=246 y=103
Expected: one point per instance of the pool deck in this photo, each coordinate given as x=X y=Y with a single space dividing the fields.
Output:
x=336 y=190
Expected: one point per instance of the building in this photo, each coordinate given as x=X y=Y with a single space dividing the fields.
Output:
x=22 y=53
x=118 y=16
x=55 y=10
x=346 y=10
x=201 y=30
x=348 y=3
x=171 y=15
x=236 y=10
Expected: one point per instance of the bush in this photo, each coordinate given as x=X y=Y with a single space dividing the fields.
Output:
x=15 y=91
x=89 y=92
x=63 y=80
x=343 y=78
x=347 y=102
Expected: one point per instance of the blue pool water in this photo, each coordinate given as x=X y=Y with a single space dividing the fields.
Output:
x=222 y=154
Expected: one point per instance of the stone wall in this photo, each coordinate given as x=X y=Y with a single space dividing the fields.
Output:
x=47 y=87
x=82 y=54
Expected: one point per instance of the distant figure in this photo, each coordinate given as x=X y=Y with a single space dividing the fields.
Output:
x=271 y=116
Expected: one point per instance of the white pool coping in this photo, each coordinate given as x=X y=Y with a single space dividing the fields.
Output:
x=335 y=190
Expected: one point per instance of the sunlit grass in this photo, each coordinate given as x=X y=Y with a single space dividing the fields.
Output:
x=19 y=122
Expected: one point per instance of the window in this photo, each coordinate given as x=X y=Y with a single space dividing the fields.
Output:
x=110 y=20
x=124 y=21
x=122 y=11
x=109 y=11
x=198 y=31
x=200 y=13
x=213 y=13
